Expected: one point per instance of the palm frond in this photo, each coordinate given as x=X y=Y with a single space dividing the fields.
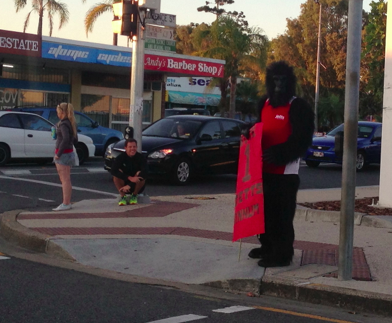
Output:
x=27 y=20
x=50 y=16
x=61 y=9
x=20 y=4
x=94 y=12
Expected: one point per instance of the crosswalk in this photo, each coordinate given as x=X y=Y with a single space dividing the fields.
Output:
x=194 y=317
x=3 y=256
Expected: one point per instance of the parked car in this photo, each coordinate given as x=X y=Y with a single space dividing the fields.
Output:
x=368 y=146
x=189 y=111
x=101 y=136
x=208 y=145
x=27 y=136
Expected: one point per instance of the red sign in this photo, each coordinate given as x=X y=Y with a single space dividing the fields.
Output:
x=249 y=203
x=182 y=66
x=20 y=43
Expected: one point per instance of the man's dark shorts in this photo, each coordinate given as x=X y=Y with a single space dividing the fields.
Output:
x=133 y=185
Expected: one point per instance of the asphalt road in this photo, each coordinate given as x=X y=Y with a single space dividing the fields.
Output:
x=38 y=293
x=28 y=186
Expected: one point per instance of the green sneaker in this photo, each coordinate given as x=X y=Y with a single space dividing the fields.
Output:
x=123 y=201
x=133 y=199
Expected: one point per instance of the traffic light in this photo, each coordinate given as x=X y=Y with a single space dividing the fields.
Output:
x=126 y=13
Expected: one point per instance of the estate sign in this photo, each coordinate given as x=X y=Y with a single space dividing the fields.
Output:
x=20 y=43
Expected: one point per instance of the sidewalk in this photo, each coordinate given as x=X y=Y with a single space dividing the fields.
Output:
x=187 y=239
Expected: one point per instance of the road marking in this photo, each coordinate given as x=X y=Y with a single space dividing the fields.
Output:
x=97 y=170
x=233 y=309
x=181 y=319
x=45 y=200
x=316 y=317
x=58 y=185
x=16 y=172
x=26 y=197
x=3 y=257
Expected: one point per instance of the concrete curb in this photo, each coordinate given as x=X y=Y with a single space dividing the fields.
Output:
x=14 y=232
x=306 y=214
x=341 y=297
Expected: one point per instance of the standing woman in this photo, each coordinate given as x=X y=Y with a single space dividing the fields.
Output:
x=64 y=156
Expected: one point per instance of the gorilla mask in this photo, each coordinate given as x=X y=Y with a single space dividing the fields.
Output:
x=281 y=82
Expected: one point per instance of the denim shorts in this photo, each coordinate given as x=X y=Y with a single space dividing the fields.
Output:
x=67 y=159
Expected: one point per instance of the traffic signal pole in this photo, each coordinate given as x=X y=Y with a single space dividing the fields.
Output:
x=350 y=139
x=137 y=81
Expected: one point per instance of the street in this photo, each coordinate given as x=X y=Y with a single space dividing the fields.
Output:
x=40 y=288
x=33 y=291
x=26 y=186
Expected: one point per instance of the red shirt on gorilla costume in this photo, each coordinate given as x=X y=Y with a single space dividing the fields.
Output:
x=288 y=126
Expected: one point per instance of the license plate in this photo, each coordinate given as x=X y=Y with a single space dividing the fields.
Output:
x=318 y=154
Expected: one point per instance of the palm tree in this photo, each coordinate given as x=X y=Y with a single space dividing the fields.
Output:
x=52 y=7
x=95 y=11
x=232 y=41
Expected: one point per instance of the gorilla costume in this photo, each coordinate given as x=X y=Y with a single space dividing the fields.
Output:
x=288 y=126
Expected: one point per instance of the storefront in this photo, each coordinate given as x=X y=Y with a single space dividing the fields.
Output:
x=94 y=77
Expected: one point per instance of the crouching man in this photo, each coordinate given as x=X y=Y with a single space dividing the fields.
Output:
x=129 y=172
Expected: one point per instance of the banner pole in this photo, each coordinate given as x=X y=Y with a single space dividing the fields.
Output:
x=239 y=253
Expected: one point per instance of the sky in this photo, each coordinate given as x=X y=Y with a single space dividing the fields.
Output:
x=269 y=15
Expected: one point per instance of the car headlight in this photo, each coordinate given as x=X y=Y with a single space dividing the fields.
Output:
x=160 y=153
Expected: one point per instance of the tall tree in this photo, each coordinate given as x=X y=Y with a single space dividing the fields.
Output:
x=218 y=11
x=232 y=42
x=52 y=7
x=298 y=46
x=95 y=12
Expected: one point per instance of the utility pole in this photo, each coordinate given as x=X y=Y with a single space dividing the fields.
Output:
x=317 y=89
x=137 y=81
x=350 y=139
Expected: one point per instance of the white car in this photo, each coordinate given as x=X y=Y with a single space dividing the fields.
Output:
x=26 y=135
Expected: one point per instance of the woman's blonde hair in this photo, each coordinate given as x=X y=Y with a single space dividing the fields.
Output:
x=68 y=109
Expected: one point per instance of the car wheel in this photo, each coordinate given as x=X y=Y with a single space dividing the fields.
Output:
x=108 y=143
x=361 y=161
x=82 y=152
x=5 y=154
x=182 y=172
x=312 y=163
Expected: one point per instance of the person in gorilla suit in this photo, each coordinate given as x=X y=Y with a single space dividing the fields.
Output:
x=288 y=126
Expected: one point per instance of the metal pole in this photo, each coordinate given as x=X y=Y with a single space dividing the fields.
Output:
x=317 y=90
x=350 y=139
x=137 y=81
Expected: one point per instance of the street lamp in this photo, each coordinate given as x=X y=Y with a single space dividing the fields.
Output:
x=317 y=90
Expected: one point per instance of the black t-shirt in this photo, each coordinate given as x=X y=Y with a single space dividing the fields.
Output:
x=125 y=166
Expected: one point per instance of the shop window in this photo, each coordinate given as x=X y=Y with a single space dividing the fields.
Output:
x=96 y=107
x=156 y=86
x=54 y=99
x=147 y=115
x=36 y=74
x=146 y=86
x=106 y=80
x=29 y=98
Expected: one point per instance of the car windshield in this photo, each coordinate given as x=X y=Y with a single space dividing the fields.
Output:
x=173 y=128
x=363 y=131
